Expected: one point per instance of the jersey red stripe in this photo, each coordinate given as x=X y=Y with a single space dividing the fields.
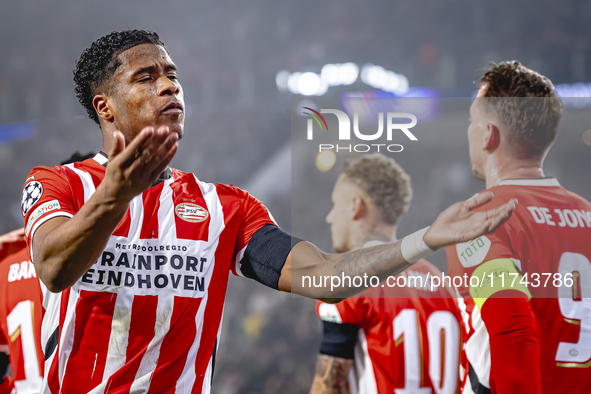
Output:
x=143 y=316
x=187 y=226
x=215 y=303
x=122 y=229
x=176 y=344
x=151 y=198
x=86 y=364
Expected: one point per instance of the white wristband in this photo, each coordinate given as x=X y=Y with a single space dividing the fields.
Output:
x=414 y=248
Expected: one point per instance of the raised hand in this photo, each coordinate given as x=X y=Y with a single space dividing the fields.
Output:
x=459 y=223
x=133 y=169
x=12 y=242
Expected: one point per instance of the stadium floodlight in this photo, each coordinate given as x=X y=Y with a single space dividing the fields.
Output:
x=312 y=84
x=340 y=74
x=380 y=78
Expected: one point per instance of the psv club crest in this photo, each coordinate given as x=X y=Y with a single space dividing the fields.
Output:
x=191 y=212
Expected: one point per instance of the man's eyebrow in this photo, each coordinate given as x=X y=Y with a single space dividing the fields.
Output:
x=149 y=70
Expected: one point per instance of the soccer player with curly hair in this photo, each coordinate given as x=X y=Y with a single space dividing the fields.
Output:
x=135 y=256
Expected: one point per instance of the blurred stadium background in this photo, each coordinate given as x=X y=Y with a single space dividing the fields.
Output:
x=236 y=60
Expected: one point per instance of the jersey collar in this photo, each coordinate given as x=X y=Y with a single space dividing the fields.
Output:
x=102 y=159
x=530 y=182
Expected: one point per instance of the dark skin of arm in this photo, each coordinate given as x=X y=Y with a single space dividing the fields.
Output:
x=65 y=248
x=331 y=375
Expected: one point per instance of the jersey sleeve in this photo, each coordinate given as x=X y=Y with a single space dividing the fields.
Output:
x=46 y=194
x=261 y=246
x=340 y=323
x=349 y=311
x=256 y=215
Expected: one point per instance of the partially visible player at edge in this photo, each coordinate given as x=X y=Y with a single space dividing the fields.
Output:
x=21 y=304
x=10 y=244
x=130 y=244
x=388 y=339
x=20 y=322
x=518 y=343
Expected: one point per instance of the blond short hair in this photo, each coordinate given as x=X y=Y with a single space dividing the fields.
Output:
x=384 y=181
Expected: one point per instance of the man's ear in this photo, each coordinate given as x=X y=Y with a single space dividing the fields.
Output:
x=492 y=139
x=100 y=102
x=359 y=208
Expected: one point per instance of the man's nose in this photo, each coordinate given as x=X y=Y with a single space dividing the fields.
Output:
x=168 y=87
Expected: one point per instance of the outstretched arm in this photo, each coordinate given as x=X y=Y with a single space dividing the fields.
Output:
x=64 y=249
x=457 y=223
x=331 y=375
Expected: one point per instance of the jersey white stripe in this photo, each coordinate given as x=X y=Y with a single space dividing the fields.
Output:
x=362 y=376
x=117 y=352
x=86 y=179
x=478 y=349
x=67 y=334
x=136 y=213
x=238 y=261
x=149 y=362
x=166 y=222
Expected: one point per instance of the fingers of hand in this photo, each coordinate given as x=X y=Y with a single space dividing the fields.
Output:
x=146 y=153
x=20 y=234
x=155 y=157
x=164 y=155
x=500 y=215
x=157 y=139
x=118 y=144
x=479 y=199
x=135 y=148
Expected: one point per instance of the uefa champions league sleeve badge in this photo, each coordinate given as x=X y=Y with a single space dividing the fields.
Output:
x=31 y=195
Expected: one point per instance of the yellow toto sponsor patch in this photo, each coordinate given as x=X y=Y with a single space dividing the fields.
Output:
x=494 y=276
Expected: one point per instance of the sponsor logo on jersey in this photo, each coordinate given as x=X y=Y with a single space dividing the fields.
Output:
x=170 y=269
x=473 y=252
x=191 y=212
x=329 y=313
x=32 y=192
x=47 y=207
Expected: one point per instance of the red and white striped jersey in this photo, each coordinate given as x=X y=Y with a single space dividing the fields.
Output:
x=145 y=318
x=20 y=321
x=409 y=338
